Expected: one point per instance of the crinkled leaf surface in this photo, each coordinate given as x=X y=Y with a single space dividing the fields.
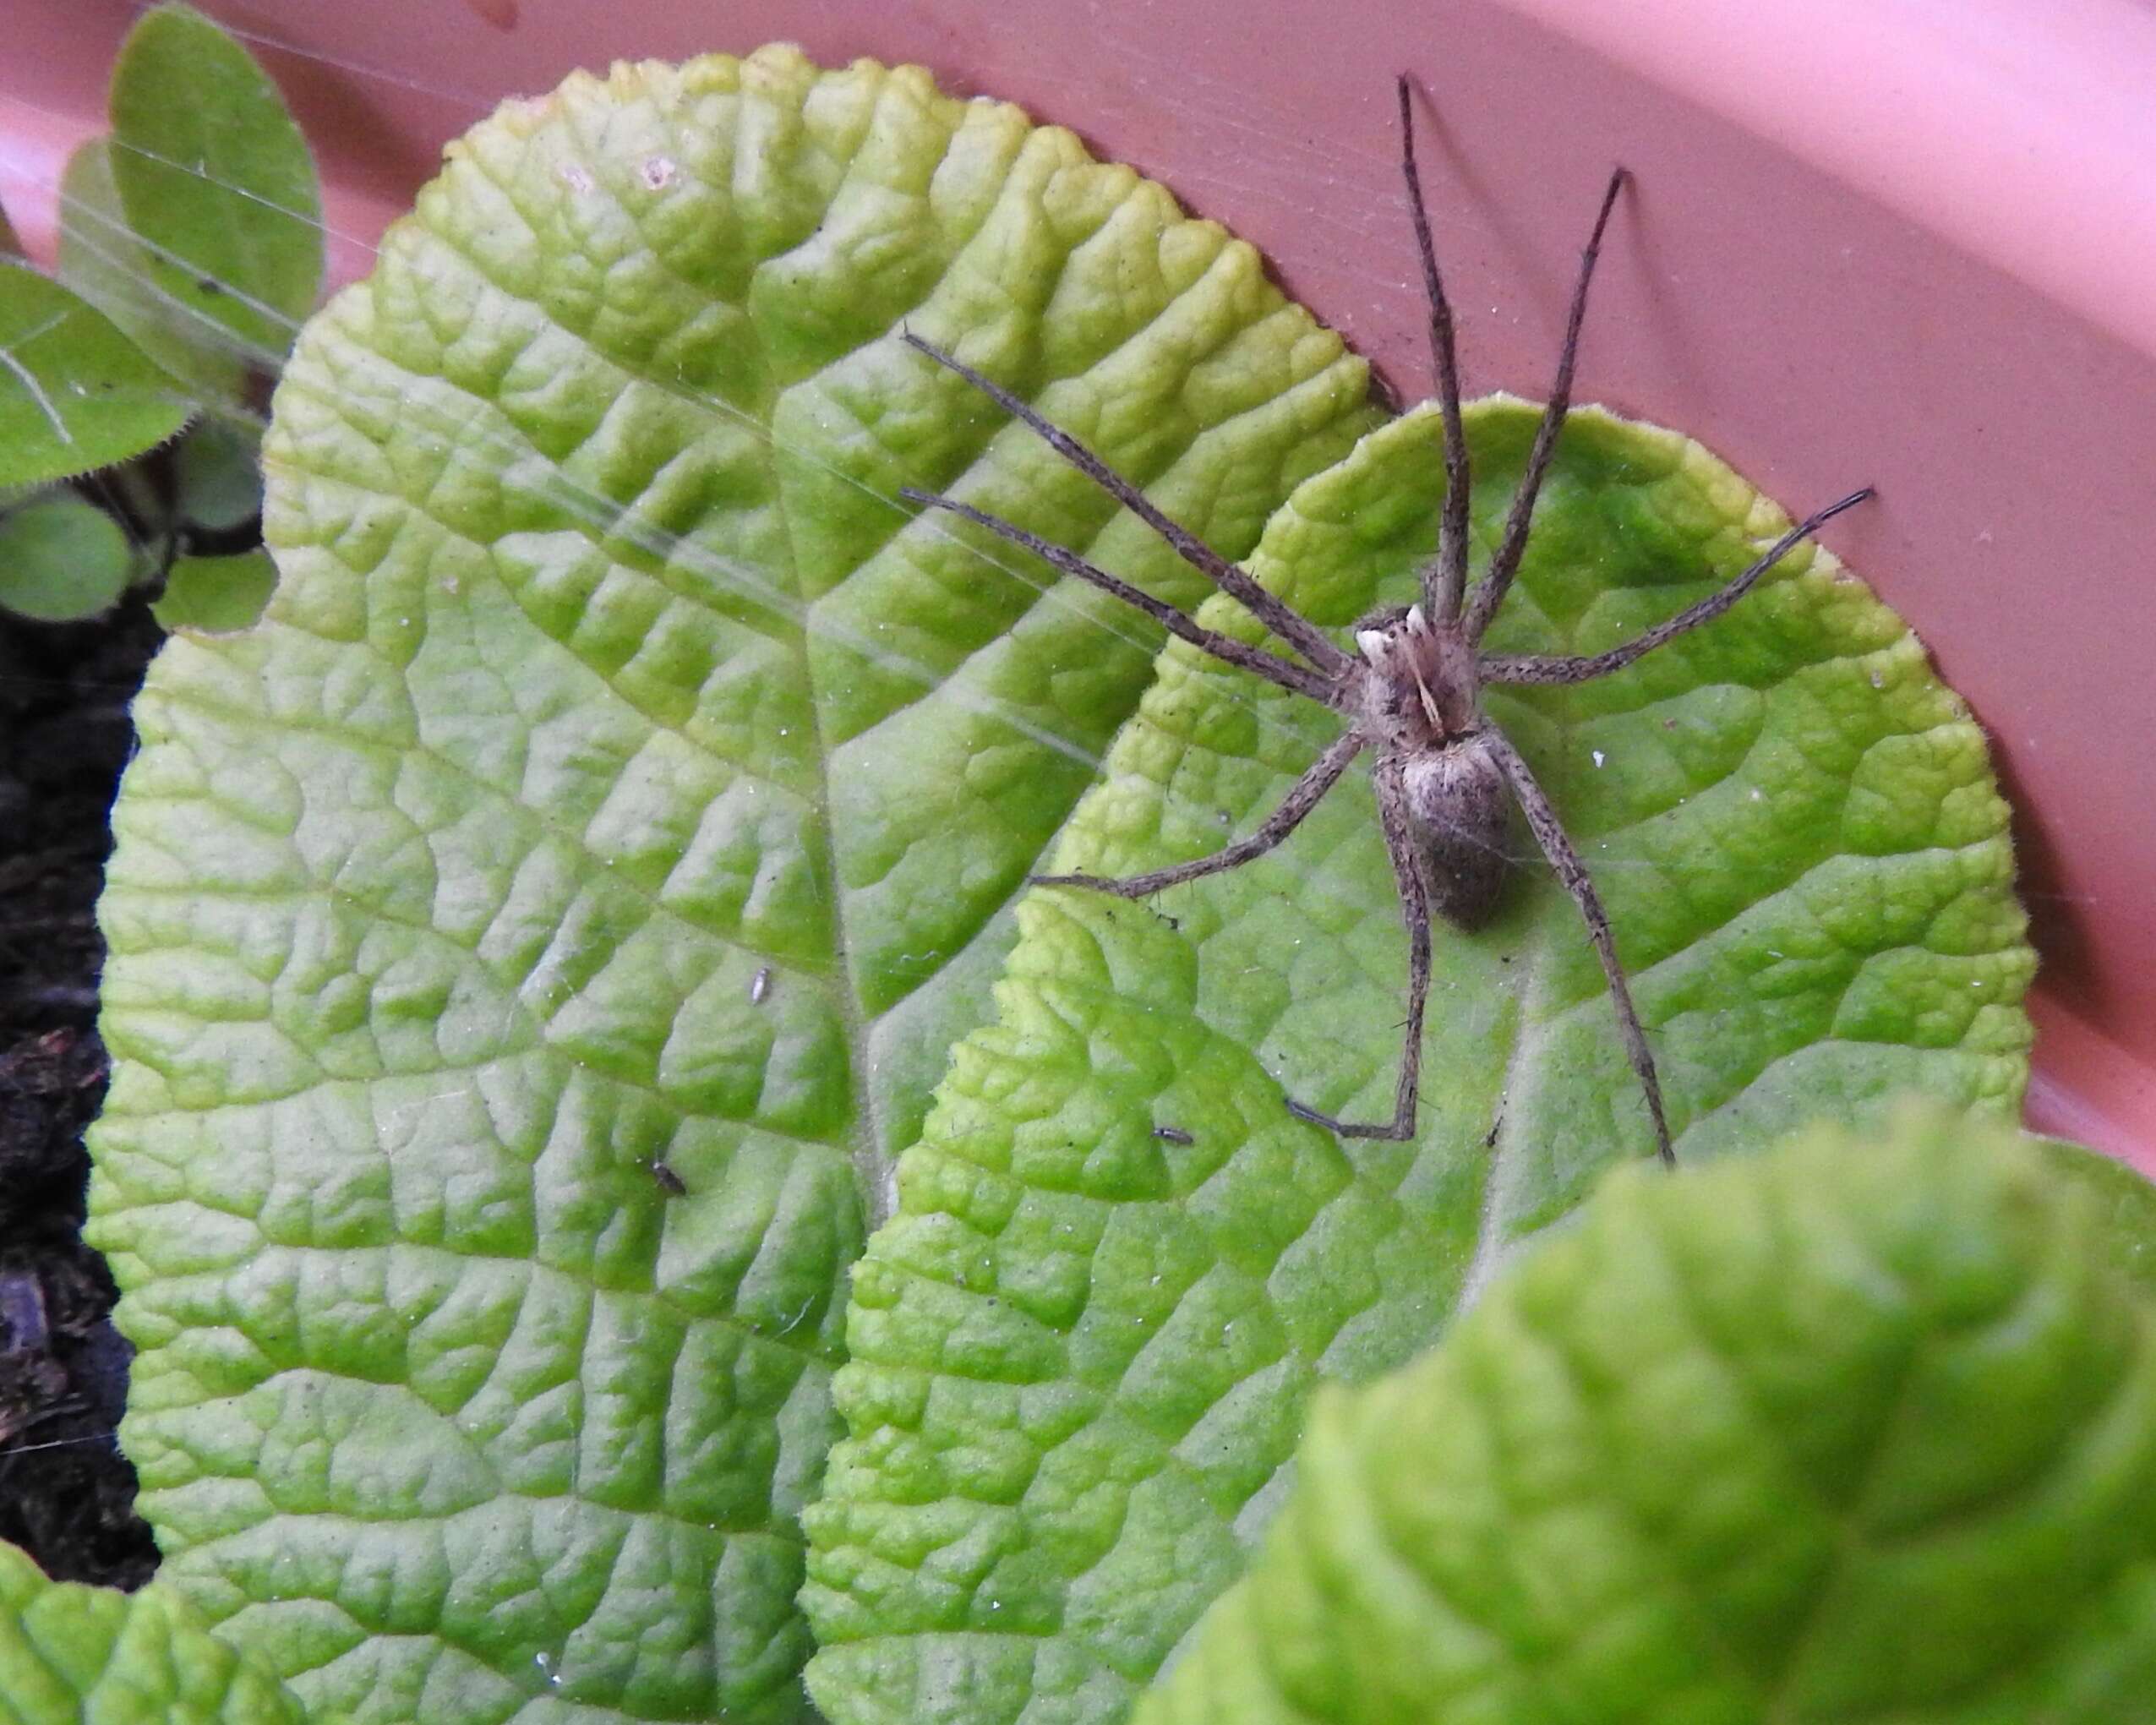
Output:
x=215 y=180
x=75 y=394
x=1081 y=1351
x=618 y=778
x=69 y=1653
x=1863 y=1430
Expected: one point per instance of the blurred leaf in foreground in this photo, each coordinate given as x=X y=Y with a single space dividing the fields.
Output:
x=1863 y=1430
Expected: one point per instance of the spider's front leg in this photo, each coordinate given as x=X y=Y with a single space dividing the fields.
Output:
x=1304 y=796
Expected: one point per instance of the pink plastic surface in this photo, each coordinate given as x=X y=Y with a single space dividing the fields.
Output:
x=1870 y=240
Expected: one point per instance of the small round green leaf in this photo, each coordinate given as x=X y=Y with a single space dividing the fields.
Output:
x=217 y=471
x=215 y=595
x=75 y=394
x=1861 y=1431
x=62 y=560
x=216 y=179
x=104 y=261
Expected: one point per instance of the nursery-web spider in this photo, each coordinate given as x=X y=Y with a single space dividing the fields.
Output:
x=1413 y=697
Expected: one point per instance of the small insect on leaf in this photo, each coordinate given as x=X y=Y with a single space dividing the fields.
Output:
x=666 y=1180
x=760 y=985
x=1173 y=1135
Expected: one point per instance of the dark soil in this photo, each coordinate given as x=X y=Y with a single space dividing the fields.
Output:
x=67 y=1494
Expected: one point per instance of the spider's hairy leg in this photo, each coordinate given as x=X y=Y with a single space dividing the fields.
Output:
x=1271 y=667
x=1297 y=630
x=1497 y=579
x=1415 y=906
x=1302 y=797
x=1549 y=834
x=1565 y=668
x=1443 y=577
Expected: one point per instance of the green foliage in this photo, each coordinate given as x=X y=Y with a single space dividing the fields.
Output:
x=619 y=774
x=217 y=475
x=215 y=180
x=216 y=490
x=62 y=560
x=1862 y=1430
x=215 y=595
x=536 y=936
x=208 y=238
x=103 y=261
x=75 y=394
x=70 y=1652
x=1080 y=1351
x=2127 y=1198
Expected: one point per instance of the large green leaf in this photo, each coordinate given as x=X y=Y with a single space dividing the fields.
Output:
x=1081 y=1351
x=70 y=1653
x=620 y=778
x=215 y=180
x=1861 y=1431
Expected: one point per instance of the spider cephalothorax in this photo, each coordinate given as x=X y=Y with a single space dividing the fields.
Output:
x=1412 y=695
x=1418 y=703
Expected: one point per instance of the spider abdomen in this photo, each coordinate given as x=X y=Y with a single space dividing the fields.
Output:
x=1456 y=799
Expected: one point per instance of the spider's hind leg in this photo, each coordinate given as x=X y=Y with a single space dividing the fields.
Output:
x=1550 y=834
x=1302 y=797
x=1415 y=907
